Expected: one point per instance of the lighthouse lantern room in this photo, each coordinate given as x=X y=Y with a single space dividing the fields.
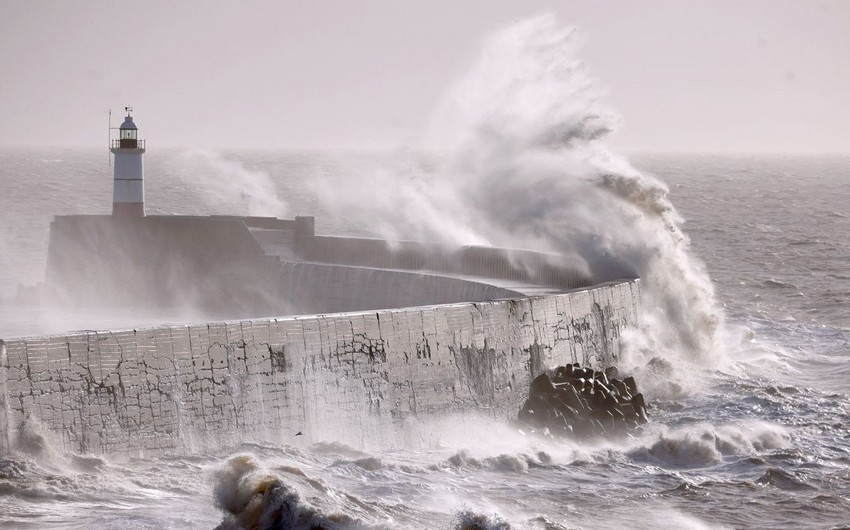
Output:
x=128 y=198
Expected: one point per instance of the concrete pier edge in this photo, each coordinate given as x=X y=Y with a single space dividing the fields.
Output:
x=192 y=388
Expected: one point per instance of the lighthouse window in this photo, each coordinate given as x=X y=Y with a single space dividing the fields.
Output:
x=128 y=134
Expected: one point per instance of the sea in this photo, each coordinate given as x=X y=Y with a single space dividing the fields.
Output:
x=760 y=438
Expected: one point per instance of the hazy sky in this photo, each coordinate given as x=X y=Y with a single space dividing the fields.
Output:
x=685 y=75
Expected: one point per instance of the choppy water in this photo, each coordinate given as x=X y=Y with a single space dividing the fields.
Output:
x=763 y=441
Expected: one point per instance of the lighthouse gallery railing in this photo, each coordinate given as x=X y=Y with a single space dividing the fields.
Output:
x=127 y=143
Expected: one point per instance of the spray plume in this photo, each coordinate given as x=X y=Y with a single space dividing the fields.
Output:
x=230 y=187
x=521 y=164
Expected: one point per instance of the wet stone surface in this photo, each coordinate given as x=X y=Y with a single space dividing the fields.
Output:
x=581 y=403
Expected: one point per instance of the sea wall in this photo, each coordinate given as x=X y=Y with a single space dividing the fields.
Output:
x=312 y=288
x=159 y=261
x=487 y=262
x=258 y=267
x=189 y=388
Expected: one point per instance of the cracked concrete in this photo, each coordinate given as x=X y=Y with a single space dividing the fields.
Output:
x=191 y=388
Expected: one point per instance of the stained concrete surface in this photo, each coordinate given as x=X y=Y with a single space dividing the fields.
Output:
x=188 y=388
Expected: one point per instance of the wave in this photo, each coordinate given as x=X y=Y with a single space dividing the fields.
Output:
x=706 y=445
x=520 y=163
x=502 y=463
x=772 y=283
x=779 y=478
x=468 y=520
x=253 y=498
x=368 y=463
x=805 y=242
x=337 y=448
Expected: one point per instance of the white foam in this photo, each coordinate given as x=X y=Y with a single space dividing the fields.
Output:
x=521 y=164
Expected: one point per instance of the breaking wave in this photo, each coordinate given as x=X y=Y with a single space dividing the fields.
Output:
x=254 y=498
x=469 y=520
x=520 y=164
x=705 y=445
x=504 y=462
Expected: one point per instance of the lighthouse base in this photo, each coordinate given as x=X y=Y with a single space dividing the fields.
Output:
x=128 y=209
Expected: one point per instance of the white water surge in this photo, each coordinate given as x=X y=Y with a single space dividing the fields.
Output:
x=520 y=164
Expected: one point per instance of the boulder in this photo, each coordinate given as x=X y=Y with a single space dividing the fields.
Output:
x=578 y=402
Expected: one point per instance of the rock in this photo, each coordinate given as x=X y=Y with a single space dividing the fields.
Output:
x=541 y=385
x=569 y=395
x=533 y=412
x=640 y=408
x=601 y=377
x=563 y=373
x=631 y=385
x=622 y=390
x=577 y=402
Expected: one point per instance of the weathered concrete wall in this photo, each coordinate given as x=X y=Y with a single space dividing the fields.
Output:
x=186 y=388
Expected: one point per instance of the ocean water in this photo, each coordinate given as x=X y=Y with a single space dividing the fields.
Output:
x=757 y=438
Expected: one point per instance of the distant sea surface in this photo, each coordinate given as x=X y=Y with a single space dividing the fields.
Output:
x=763 y=442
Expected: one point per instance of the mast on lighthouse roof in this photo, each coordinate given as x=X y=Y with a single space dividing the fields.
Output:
x=128 y=198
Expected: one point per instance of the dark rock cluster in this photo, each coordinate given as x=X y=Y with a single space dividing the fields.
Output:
x=576 y=402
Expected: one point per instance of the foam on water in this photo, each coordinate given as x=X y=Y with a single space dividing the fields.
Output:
x=254 y=498
x=702 y=445
x=482 y=474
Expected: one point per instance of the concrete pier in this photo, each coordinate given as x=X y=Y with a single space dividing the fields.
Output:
x=252 y=266
x=190 y=388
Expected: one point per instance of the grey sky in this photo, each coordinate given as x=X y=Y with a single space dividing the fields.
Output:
x=685 y=75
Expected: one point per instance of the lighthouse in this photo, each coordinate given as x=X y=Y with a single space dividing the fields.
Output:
x=128 y=197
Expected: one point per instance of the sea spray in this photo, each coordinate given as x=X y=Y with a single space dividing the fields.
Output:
x=228 y=186
x=254 y=498
x=520 y=164
x=469 y=520
x=396 y=195
x=704 y=444
x=534 y=165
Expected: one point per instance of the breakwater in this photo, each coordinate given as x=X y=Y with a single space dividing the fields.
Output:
x=185 y=388
x=267 y=266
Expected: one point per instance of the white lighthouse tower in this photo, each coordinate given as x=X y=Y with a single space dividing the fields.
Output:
x=128 y=198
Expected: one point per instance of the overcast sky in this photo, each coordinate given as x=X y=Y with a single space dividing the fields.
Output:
x=685 y=75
